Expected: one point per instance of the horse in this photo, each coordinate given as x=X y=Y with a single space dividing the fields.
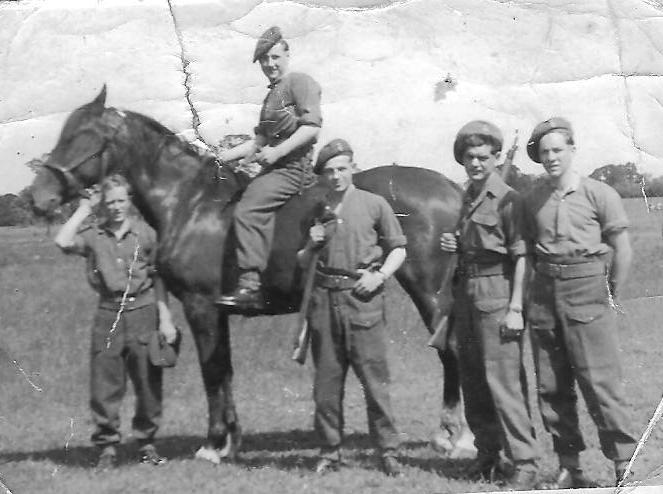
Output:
x=189 y=199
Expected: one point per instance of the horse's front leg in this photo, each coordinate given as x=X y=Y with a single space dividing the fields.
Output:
x=212 y=337
x=431 y=294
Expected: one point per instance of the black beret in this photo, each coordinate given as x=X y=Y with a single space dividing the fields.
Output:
x=545 y=127
x=475 y=127
x=330 y=150
x=161 y=353
x=267 y=40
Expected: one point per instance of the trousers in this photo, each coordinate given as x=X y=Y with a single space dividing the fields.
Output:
x=574 y=338
x=255 y=213
x=346 y=332
x=116 y=353
x=492 y=372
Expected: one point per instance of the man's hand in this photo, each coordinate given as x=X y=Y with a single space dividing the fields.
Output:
x=369 y=282
x=317 y=234
x=514 y=320
x=167 y=329
x=448 y=242
x=268 y=155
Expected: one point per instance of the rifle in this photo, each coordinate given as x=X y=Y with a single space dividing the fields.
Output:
x=303 y=335
x=508 y=161
x=438 y=340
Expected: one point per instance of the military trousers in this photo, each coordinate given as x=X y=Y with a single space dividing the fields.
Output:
x=492 y=373
x=254 y=215
x=574 y=338
x=346 y=332
x=115 y=353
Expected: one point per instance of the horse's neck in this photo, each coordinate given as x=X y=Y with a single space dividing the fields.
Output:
x=159 y=170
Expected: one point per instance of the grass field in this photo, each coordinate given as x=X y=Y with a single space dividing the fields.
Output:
x=45 y=313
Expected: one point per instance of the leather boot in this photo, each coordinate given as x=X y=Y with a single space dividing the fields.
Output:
x=247 y=295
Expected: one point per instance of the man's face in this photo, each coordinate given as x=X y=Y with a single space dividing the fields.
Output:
x=479 y=162
x=117 y=203
x=338 y=171
x=556 y=154
x=274 y=63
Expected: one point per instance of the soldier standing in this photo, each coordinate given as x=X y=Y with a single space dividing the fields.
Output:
x=574 y=224
x=488 y=318
x=346 y=313
x=120 y=256
x=290 y=120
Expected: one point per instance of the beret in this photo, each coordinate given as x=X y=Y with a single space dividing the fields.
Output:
x=161 y=353
x=545 y=127
x=267 y=40
x=333 y=148
x=475 y=127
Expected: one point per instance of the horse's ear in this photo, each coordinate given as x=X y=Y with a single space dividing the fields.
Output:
x=100 y=100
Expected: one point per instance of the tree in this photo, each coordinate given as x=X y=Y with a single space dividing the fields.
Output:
x=624 y=178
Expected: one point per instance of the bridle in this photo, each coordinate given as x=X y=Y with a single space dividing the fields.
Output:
x=74 y=187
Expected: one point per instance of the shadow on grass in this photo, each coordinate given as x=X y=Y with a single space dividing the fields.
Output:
x=285 y=450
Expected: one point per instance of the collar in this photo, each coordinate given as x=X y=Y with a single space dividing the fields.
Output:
x=574 y=183
x=131 y=228
x=492 y=186
x=272 y=85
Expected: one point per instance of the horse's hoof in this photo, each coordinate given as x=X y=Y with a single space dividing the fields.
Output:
x=208 y=454
x=232 y=444
x=440 y=441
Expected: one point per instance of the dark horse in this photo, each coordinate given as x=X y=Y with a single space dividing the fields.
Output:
x=189 y=201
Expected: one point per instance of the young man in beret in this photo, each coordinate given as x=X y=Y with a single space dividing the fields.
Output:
x=120 y=256
x=573 y=224
x=346 y=312
x=290 y=120
x=488 y=318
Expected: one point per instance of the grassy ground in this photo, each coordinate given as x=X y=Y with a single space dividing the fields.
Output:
x=45 y=312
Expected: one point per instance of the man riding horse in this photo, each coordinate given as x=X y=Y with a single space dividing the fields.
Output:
x=289 y=123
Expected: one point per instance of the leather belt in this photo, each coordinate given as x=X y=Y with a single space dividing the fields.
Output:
x=570 y=271
x=344 y=281
x=112 y=301
x=477 y=270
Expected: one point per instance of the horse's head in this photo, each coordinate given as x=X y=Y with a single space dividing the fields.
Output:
x=80 y=158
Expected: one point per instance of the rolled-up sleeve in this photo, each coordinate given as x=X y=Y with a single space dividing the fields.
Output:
x=610 y=210
x=513 y=221
x=389 y=229
x=81 y=242
x=306 y=94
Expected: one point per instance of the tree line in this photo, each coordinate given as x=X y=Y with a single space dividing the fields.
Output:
x=16 y=209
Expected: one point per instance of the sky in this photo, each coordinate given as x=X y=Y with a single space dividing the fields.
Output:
x=398 y=78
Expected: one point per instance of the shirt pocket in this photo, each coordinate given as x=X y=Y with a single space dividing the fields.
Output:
x=485 y=220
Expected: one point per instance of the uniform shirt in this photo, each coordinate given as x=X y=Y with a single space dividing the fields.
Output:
x=109 y=258
x=365 y=228
x=491 y=224
x=292 y=101
x=563 y=226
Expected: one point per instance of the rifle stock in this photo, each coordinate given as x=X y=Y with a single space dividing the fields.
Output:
x=303 y=334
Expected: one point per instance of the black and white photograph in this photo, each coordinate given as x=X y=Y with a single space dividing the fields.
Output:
x=331 y=246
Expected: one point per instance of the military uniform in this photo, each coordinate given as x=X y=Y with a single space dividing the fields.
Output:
x=119 y=346
x=492 y=372
x=292 y=101
x=574 y=332
x=349 y=332
x=573 y=327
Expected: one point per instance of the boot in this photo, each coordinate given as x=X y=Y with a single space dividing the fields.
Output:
x=247 y=295
x=107 y=459
x=523 y=478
